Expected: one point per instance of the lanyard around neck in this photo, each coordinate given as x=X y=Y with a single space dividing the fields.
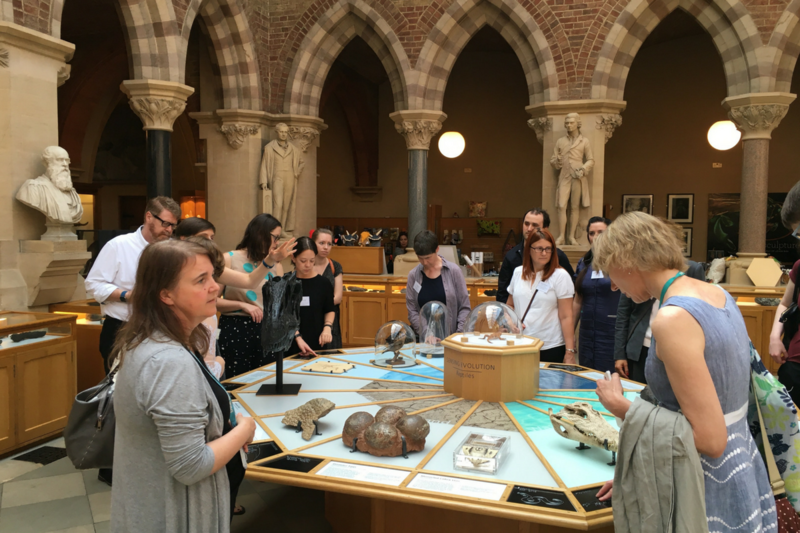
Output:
x=204 y=368
x=667 y=285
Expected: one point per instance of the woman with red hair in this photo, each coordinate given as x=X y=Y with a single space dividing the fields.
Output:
x=541 y=293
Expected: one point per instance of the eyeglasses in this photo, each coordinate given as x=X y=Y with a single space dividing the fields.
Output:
x=543 y=251
x=275 y=237
x=164 y=223
x=796 y=231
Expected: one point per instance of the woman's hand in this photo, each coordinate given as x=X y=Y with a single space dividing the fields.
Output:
x=569 y=358
x=325 y=337
x=283 y=251
x=255 y=312
x=777 y=350
x=621 y=366
x=305 y=349
x=612 y=397
x=248 y=426
x=604 y=494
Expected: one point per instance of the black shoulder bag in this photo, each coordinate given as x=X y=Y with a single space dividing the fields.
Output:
x=791 y=320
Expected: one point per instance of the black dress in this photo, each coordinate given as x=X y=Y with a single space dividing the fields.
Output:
x=317 y=302
x=331 y=271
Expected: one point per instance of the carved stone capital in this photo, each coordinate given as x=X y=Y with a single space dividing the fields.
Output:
x=303 y=136
x=609 y=123
x=418 y=133
x=540 y=125
x=157 y=103
x=757 y=114
x=63 y=74
x=238 y=133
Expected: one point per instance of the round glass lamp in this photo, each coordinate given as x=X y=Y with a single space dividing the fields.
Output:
x=434 y=322
x=451 y=144
x=493 y=319
x=723 y=135
x=397 y=340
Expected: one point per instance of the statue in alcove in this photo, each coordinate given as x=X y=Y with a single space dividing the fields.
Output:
x=281 y=166
x=573 y=159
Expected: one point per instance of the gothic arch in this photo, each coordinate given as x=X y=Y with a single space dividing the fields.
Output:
x=784 y=43
x=322 y=44
x=454 y=30
x=152 y=39
x=728 y=22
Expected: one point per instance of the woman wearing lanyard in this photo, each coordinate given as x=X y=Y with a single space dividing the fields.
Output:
x=541 y=294
x=332 y=271
x=595 y=307
x=316 y=307
x=699 y=364
x=178 y=455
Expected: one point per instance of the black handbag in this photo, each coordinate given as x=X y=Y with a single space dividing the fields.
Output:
x=89 y=435
x=791 y=320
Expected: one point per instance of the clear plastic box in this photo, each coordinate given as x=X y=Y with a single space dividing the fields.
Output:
x=481 y=453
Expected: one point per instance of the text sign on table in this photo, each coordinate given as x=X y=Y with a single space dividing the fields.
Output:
x=370 y=474
x=458 y=486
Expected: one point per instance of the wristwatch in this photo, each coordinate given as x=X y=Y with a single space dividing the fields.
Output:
x=570 y=350
x=122 y=297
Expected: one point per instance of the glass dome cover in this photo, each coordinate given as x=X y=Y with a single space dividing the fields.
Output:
x=434 y=324
x=493 y=318
x=397 y=339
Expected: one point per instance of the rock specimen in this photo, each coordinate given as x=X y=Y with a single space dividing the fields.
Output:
x=384 y=435
x=580 y=422
x=308 y=413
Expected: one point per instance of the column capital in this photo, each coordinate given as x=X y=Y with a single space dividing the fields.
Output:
x=757 y=114
x=239 y=124
x=609 y=122
x=418 y=127
x=540 y=125
x=157 y=103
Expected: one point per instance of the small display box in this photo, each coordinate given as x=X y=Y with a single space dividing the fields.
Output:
x=481 y=453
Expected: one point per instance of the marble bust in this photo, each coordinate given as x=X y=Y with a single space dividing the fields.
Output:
x=52 y=193
x=573 y=159
x=281 y=166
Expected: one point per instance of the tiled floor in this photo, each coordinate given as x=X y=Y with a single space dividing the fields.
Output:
x=59 y=499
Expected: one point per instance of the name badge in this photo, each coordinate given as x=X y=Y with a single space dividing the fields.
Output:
x=417 y=286
x=543 y=287
x=597 y=274
x=305 y=302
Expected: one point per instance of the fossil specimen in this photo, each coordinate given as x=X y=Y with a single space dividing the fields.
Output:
x=307 y=414
x=390 y=433
x=580 y=422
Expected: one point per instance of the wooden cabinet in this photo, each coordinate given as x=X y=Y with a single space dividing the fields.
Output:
x=365 y=315
x=398 y=309
x=88 y=360
x=37 y=377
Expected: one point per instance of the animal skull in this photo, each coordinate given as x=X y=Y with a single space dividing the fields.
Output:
x=580 y=422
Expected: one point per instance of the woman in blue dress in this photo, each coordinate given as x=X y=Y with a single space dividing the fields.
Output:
x=595 y=306
x=699 y=363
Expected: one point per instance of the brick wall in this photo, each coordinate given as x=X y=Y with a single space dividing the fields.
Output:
x=33 y=14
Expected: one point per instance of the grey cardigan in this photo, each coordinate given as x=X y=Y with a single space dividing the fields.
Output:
x=658 y=481
x=455 y=290
x=166 y=414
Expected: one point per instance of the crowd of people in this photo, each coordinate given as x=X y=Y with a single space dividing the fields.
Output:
x=179 y=458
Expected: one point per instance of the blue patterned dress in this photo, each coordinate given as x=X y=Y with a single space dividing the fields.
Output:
x=738 y=494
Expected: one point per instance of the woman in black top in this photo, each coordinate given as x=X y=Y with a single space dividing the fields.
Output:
x=331 y=270
x=316 y=308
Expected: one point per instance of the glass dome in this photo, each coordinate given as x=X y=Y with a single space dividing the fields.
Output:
x=397 y=339
x=493 y=318
x=434 y=323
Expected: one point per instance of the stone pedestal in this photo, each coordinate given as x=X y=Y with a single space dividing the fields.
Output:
x=575 y=253
x=417 y=128
x=59 y=231
x=157 y=103
x=756 y=115
x=599 y=120
x=50 y=269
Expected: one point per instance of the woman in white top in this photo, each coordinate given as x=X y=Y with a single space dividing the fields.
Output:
x=541 y=294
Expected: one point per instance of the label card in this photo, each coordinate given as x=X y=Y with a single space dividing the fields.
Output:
x=597 y=274
x=262 y=450
x=543 y=287
x=370 y=474
x=294 y=463
x=417 y=286
x=549 y=499
x=305 y=302
x=588 y=498
x=457 y=486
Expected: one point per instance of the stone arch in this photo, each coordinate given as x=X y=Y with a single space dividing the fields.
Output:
x=728 y=22
x=784 y=43
x=152 y=39
x=234 y=50
x=326 y=39
x=56 y=9
x=454 y=30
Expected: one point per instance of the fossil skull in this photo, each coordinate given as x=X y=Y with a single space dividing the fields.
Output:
x=580 y=422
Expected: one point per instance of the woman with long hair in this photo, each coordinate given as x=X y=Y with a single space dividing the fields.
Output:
x=331 y=270
x=316 y=308
x=541 y=294
x=178 y=452
x=595 y=307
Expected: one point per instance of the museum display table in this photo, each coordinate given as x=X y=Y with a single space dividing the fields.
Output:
x=37 y=377
x=545 y=479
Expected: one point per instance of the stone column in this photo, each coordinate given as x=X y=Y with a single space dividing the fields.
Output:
x=157 y=103
x=304 y=133
x=417 y=128
x=756 y=115
x=599 y=119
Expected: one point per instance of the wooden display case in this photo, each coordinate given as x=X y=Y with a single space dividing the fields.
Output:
x=37 y=377
x=90 y=369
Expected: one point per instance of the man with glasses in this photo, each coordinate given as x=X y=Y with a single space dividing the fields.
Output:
x=114 y=272
x=534 y=219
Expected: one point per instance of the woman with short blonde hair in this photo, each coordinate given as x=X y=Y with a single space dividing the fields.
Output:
x=698 y=364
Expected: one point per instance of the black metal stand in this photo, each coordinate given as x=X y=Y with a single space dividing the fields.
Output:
x=582 y=447
x=354 y=449
x=299 y=428
x=405 y=448
x=279 y=388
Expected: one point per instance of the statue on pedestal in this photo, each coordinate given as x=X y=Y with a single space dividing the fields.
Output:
x=281 y=166
x=53 y=195
x=573 y=158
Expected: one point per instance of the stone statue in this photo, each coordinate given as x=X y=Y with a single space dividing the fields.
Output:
x=573 y=158
x=52 y=193
x=281 y=166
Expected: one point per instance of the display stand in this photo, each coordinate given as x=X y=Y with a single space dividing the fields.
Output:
x=279 y=388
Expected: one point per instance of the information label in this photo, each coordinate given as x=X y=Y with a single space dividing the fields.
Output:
x=457 y=486
x=370 y=474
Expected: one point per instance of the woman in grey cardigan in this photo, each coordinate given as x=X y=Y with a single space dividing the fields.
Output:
x=177 y=440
